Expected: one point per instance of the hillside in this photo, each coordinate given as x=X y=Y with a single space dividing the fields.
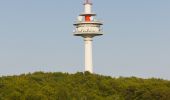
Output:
x=81 y=86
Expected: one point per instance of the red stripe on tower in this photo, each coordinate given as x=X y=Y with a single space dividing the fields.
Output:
x=87 y=18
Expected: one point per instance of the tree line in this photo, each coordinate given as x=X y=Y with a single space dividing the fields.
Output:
x=81 y=86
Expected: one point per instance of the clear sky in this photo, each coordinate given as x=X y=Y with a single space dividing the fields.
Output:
x=36 y=35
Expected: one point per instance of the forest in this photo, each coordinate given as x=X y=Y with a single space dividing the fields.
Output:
x=81 y=86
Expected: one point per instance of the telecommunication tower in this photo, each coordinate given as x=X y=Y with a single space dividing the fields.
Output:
x=87 y=26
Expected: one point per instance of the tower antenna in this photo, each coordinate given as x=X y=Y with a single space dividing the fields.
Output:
x=88 y=2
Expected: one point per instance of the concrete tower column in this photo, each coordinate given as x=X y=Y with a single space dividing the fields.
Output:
x=88 y=54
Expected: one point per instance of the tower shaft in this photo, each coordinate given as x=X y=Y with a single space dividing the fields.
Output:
x=88 y=54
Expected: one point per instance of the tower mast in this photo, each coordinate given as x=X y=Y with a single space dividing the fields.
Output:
x=88 y=27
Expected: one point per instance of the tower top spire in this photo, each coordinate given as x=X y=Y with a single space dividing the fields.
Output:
x=87 y=2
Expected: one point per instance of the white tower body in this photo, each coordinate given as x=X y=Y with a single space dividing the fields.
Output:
x=88 y=54
x=88 y=27
x=87 y=8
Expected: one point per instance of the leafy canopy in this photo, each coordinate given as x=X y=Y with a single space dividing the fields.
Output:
x=81 y=86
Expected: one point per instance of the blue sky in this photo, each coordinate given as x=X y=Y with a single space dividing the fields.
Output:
x=36 y=35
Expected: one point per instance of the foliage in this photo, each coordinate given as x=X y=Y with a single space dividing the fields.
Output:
x=81 y=86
